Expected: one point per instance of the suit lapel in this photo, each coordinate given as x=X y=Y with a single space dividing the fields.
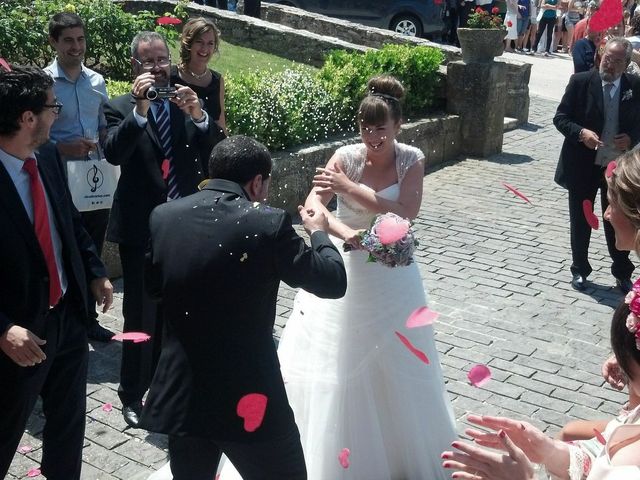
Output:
x=151 y=129
x=595 y=89
x=15 y=211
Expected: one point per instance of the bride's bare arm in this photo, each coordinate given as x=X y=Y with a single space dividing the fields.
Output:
x=333 y=180
x=319 y=199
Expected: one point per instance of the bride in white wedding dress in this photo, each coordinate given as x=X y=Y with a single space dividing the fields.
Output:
x=351 y=382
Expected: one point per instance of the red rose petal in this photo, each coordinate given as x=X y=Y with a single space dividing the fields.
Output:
x=135 y=337
x=390 y=231
x=107 y=407
x=608 y=15
x=599 y=437
x=252 y=408
x=34 y=472
x=25 y=449
x=168 y=21
x=343 y=457
x=587 y=209
x=515 y=191
x=479 y=375
x=611 y=167
x=420 y=317
x=165 y=169
x=418 y=353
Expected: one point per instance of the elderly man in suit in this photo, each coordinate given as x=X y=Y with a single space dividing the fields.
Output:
x=599 y=115
x=48 y=264
x=162 y=147
x=219 y=296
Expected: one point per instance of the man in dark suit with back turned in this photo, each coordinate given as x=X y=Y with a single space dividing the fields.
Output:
x=48 y=263
x=599 y=115
x=216 y=262
x=162 y=147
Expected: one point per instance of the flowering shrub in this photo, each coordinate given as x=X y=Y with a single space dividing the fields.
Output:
x=281 y=109
x=109 y=30
x=483 y=19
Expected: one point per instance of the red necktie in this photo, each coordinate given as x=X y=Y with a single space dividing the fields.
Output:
x=43 y=231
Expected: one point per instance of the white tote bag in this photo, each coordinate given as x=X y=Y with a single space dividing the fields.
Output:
x=92 y=183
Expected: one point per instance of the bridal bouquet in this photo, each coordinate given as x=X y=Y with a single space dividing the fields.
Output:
x=390 y=241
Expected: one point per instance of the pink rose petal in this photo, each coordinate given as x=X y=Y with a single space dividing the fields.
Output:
x=34 y=472
x=479 y=375
x=107 y=407
x=343 y=457
x=165 y=169
x=4 y=64
x=418 y=353
x=587 y=209
x=599 y=437
x=515 y=191
x=168 y=21
x=611 y=168
x=25 y=449
x=390 y=231
x=251 y=408
x=135 y=337
x=421 y=317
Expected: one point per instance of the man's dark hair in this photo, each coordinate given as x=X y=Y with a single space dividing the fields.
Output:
x=63 y=20
x=22 y=89
x=239 y=159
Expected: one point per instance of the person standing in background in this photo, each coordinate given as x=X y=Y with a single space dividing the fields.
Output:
x=81 y=126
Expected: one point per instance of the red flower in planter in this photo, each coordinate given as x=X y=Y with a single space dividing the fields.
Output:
x=509 y=24
x=168 y=21
x=479 y=10
x=495 y=10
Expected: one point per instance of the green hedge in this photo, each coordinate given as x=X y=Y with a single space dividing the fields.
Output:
x=24 y=32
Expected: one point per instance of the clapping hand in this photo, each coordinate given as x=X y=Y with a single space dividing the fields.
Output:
x=332 y=180
x=475 y=463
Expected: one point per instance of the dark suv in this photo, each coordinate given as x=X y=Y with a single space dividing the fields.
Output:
x=409 y=17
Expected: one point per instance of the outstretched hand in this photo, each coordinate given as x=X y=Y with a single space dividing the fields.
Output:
x=475 y=463
x=534 y=443
x=332 y=180
x=613 y=374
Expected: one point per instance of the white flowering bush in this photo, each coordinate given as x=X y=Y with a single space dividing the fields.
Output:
x=282 y=109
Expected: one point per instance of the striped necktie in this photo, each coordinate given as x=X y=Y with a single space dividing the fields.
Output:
x=163 y=127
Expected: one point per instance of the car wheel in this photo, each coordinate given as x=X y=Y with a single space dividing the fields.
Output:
x=407 y=24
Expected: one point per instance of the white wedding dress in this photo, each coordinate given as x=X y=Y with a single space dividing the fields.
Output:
x=350 y=381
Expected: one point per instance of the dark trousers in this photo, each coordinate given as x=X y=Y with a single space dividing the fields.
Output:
x=95 y=223
x=465 y=11
x=252 y=8
x=621 y=266
x=451 y=22
x=61 y=381
x=214 y=3
x=139 y=360
x=195 y=458
x=545 y=24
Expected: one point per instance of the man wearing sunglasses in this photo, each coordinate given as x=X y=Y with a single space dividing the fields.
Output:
x=162 y=146
x=49 y=265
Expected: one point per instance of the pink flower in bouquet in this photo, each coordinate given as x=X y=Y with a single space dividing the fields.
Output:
x=390 y=230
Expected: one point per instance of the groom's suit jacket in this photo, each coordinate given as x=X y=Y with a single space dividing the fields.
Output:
x=216 y=262
x=582 y=106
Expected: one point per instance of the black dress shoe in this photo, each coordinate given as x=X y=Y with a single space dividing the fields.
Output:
x=98 y=333
x=624 y=285
x=578 y=282
x=131 y=414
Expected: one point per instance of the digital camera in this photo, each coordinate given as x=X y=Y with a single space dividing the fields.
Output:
x=154 y=93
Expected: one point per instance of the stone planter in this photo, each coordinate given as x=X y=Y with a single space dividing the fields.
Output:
x=481 y=45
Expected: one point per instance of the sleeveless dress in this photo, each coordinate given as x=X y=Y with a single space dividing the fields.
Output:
x=210 y=95
x=350 y=381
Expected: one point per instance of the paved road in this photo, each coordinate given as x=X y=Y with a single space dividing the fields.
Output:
x=496 y=268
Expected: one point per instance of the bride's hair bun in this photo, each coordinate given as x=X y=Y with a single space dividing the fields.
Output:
x=382 y=101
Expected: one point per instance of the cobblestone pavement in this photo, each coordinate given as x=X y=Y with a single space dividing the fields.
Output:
x=496 y=268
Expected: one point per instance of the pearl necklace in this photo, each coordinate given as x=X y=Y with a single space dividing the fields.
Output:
x=198 y=76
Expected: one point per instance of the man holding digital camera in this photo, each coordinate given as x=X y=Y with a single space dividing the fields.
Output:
x=161 y=138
